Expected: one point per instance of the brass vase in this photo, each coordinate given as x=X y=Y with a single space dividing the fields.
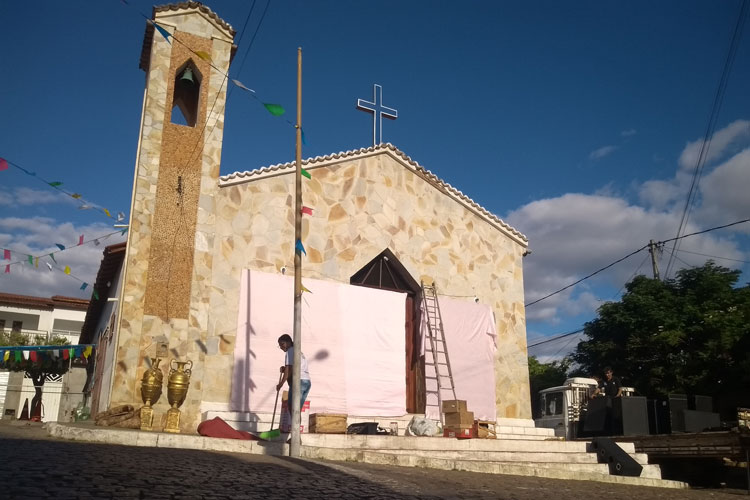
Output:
x=151 y=385
x=177 y=388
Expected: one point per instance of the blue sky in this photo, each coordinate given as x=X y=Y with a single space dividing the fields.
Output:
x=576 y=122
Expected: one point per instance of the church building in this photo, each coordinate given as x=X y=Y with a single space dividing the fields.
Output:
x=207 y=272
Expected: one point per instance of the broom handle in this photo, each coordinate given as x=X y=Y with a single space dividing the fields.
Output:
x=273 y=417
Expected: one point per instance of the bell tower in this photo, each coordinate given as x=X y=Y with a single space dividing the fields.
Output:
x=186 y=54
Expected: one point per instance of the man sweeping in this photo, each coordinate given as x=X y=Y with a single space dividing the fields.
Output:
x=287 y=345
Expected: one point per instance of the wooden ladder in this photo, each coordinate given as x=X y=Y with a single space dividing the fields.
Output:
x=435 y=341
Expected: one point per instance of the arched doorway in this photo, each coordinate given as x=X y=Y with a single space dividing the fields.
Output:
x=387 y=273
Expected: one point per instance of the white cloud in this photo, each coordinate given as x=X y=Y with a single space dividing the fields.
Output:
x=603 y=151
x=576 y=234
x=732 y=136
x=37 y=236
x=25 y=196
x=725 y=192
x=722 y=188
x=628 y=133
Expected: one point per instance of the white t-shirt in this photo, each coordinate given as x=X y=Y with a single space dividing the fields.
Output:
x=303 y=373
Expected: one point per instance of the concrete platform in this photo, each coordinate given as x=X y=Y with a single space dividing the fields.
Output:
x=549 y=459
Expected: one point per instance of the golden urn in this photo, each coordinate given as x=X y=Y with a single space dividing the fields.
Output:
x=151 y=385
x=177 y=388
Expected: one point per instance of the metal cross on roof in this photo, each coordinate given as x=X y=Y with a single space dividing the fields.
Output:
x=378 y=112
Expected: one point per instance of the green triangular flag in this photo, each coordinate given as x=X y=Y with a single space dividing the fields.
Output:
x=55 y=184
x=305 y=173
x=31 y=260
x=96 y=294
x=274 y=109
x=53 y=258
x=18 y=356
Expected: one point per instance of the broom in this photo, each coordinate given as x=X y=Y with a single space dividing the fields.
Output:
x=273 y=433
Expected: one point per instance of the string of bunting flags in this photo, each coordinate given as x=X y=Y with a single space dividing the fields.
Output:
x=58 y=185
x=39 y=354
x=275 y=109
x=34 y=260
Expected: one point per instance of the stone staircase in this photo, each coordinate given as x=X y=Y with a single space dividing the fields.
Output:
x=535 y=456
x=520 y=448
x=532 y=457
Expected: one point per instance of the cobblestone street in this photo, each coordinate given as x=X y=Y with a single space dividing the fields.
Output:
x=36 y=466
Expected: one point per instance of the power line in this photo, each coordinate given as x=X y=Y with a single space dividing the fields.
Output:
x=552 y=339
x=631 y=276
x=705 y=231
x=633 y=253
x=563 y=347
x=710 y=128
x=714 y=256
x=587 y=276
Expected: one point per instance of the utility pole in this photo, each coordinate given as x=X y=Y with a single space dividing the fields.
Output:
x=295 y=445
x=652 y=249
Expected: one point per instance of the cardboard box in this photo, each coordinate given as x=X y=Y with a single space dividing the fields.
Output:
x=328 y=423
x=458 y=432
x=459 y=419
x=484 y=429
x=454 y=405
x=743 y=418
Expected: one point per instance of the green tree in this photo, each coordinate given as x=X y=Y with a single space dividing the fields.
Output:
x=544 y=376
x=39 y=370
x=688 y=335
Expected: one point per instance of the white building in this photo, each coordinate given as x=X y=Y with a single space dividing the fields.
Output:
x=47 y=317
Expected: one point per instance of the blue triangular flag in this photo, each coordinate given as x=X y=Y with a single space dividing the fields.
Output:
x=61 y=247
x=299 y=247
x=163 y=32
x=304 y=141
x=83 y=287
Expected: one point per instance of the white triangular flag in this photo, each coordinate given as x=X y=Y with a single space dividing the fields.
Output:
x=25 y=354
x=49 y=265
x=240 y=85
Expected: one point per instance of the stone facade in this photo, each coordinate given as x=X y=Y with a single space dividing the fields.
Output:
x=364 y=202
x=165 y=299
x=186 y=250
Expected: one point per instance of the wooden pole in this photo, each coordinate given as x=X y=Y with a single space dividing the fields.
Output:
x=294 y=447
x=652 y=250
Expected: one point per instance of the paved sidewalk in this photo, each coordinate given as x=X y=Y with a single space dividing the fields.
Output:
x=37 y=466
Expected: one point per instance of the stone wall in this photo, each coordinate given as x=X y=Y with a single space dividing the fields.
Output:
x=170 y=239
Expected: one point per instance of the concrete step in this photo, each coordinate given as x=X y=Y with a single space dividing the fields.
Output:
x=525 y=431
x=526 y=437
x=519 y=456
x=504 y=456
x=516 y=456
x=528 y=469
x=440 y=443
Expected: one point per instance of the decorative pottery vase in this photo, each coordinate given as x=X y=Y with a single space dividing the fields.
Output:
x=151 y=384
x=177 y=388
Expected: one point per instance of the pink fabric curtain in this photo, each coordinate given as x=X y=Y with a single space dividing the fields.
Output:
x=353 y=338
x=471 y=337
